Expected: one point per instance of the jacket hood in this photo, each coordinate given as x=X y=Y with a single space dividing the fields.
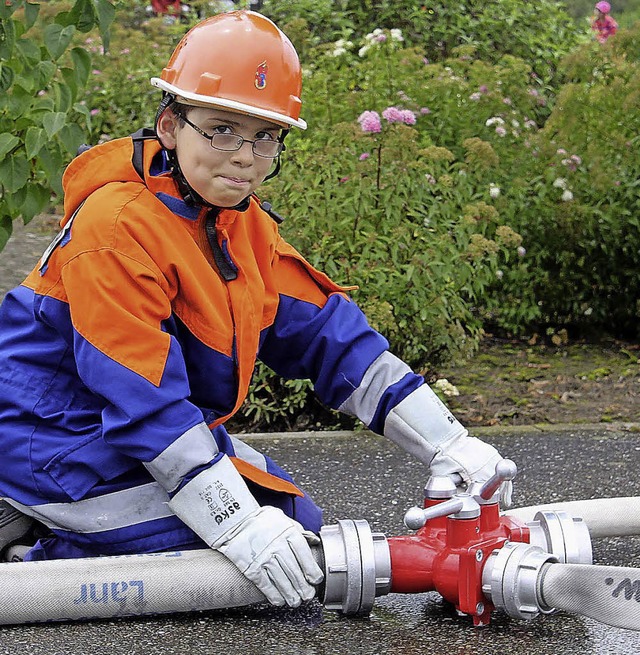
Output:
x=103 y=164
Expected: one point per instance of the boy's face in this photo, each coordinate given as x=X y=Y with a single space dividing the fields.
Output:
x=223 y=178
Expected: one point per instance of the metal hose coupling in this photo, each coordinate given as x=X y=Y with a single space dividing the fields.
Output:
x=512 y=574
x=357 y=566
x=510 y=579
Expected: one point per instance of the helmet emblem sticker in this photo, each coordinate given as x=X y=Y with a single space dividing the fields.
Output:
x=261 y=75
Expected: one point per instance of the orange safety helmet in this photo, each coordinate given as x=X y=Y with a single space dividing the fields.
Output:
x=239 y=61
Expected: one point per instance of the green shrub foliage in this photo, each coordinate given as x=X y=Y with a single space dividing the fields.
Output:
x=42 y=78
x=468 y=166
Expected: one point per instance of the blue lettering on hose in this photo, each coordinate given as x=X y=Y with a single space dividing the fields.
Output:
x=105 y=592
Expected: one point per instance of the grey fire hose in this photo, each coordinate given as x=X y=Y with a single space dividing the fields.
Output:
x=356 y=562
x=128 y=585
x=605 y=517
x=609 y=594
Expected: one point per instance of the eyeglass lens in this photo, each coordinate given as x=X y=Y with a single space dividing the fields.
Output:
x=261 y=147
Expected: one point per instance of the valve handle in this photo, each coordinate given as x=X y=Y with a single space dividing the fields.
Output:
x=416 y=517
x=506 y=469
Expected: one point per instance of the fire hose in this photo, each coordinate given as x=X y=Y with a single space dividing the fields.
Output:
x=475 y=557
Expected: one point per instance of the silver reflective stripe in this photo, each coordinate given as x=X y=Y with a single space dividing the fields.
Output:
x=119 y=509
x=383 y=372
x=249 y=454
x=192 y=449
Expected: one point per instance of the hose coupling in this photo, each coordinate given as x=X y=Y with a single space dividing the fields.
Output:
x=357 y=566
x=510 y=579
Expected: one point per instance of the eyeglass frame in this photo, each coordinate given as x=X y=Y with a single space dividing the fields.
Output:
x=241 y=139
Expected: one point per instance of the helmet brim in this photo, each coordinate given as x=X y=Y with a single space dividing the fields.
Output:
x=197 y=100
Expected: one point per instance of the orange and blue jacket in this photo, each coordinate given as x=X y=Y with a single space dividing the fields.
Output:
x=126 y=337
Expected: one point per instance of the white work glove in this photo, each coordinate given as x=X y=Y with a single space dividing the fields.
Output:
x=273 y=551
x=269 y=548
x=424 y=427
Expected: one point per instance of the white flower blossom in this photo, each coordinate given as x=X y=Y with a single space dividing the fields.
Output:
x=494 y=120
x=446 y=387
x=567 y=195
x=396 y=34
x=341 y=46
x=494 y=190
x=560 y=183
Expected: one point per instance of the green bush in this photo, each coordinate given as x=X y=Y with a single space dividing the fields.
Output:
x=510 y=203
x=42 y=76
x=574 y=196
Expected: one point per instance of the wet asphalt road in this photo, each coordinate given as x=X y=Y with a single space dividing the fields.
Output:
x=362 y=476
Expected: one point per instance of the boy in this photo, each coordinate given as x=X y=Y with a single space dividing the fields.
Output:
x=134 y=339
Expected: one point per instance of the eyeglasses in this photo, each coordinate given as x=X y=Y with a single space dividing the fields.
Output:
x=230 y=142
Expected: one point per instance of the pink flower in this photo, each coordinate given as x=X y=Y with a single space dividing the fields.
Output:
x=94 y=112
x=364 y=156
x=576 y=159
x=425 y=110
x=408 y=117
x=370 y=121
x=344 y=179
x=95 y=71
x=392 y=114
x=380 y=38
x=484 y=89
x=500 y=131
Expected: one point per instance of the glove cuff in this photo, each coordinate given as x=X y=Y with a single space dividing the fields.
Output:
x=214 y=502
x=421 y=424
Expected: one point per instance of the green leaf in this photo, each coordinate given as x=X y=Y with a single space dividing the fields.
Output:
x=51 y=162
x=30 y=200
x=7 y=143
x=82 y=62
x=71 y=137
x=42 y=104
x=54 y=122
x=14 y=173
x=6 y=76
x=31 y=11
x=6 y=226
x=19 y=101
x=106 y=13
x=63 y=97
x=83 y=15
x=7 y=38
x=7 y=8
x=69 y=75
x=29 y=50
x=34 y=141
x=57 y=39
x=43 y=73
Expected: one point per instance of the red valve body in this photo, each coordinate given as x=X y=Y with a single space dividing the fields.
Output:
x=447 y=555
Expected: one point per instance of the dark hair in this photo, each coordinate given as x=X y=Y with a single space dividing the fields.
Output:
x=181 y=111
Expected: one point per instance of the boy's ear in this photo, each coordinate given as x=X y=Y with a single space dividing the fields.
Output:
x=166 y=129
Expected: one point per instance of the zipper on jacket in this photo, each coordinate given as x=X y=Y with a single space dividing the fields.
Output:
x=227 y=269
